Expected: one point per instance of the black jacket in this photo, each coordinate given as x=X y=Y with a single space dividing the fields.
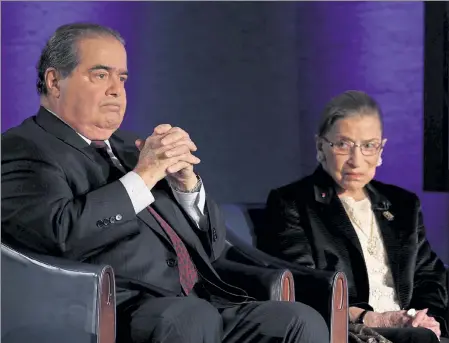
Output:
x=307 y=224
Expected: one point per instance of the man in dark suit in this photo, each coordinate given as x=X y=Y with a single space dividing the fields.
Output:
x=75 y=186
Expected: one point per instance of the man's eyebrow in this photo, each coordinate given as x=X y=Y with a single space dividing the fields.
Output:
x=109 y=69
x=100 y=66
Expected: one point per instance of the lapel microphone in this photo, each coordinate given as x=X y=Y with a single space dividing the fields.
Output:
x=384 y=206
x=388 y=215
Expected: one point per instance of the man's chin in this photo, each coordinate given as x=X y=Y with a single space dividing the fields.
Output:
x=112 y=122
x=105 y=131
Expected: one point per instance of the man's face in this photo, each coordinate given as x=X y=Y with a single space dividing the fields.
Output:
x=92 y=98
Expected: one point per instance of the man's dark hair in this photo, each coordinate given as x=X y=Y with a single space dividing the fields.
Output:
x=61 y=51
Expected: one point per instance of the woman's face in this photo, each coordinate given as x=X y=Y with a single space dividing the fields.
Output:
x=351 y=168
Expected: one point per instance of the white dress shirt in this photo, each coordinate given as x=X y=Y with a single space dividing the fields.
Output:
x=141 y=196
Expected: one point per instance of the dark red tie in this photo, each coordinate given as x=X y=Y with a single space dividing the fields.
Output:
x=188 y=274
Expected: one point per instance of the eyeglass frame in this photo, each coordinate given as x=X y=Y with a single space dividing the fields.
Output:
x=353 y=145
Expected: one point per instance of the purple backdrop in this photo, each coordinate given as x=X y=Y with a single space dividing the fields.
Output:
x=248 y=81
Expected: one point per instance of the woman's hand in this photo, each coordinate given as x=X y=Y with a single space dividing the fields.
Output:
x=398 y=319
x=421 y=319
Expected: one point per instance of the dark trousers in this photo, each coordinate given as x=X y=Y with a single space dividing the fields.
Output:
x=194 y=320
x=410 y=335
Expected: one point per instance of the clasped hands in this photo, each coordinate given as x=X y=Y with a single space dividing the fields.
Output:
x=402 y=319
x=167 y=153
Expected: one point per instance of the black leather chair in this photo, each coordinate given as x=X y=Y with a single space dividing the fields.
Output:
x=53 y=300
x=47 y=299
x=327 y=292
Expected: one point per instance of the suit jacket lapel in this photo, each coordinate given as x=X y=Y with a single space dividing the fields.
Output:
x=333 y=212
x=166 y=206
x=149 y=220
x=336 y=216
x=128 y=155
x=391 y=237
x=52 y=124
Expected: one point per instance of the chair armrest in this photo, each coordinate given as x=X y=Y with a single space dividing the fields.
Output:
x=49 y=299
x=447 y=288
x=326 y=292
x=259 y=282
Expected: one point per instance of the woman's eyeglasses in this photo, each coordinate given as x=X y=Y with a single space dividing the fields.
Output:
x=344 y=147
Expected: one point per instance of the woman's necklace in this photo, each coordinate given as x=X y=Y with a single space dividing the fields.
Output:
x=372 y=241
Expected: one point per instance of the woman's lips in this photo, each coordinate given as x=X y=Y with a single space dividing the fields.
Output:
x=353 y=175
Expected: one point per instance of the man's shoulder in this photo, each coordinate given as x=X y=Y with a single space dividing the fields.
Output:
x=28 y=133
x=27 y=126
x=31 y=141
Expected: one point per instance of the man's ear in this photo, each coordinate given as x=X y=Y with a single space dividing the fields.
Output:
x=52 y=81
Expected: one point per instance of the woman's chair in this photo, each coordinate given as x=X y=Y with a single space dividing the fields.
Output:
x=327 y=292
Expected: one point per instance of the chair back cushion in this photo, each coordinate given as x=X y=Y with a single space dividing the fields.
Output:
x=242 y=218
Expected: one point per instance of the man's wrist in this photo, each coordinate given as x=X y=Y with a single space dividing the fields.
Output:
x=148 y=178
x=192 y=186
x=138 y=192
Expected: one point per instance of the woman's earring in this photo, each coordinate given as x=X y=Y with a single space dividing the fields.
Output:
x=319 y=156
x=379 y=161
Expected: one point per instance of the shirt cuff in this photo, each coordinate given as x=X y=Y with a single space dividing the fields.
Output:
x=140 y=195
x=196 y=200
x=192 y=203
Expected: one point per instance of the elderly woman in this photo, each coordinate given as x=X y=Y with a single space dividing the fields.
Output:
x=340 y=219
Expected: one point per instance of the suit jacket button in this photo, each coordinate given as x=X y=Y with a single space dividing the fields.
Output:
x=100 y=223
x=106 y=222
x=112 y=220
x=214 y=234
x=171 y=262
x=118 y=217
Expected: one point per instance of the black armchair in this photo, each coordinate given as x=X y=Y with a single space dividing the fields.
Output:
x=48 y=299
x=326 y=292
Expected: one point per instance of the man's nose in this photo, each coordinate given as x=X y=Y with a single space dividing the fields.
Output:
x=115 y=88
